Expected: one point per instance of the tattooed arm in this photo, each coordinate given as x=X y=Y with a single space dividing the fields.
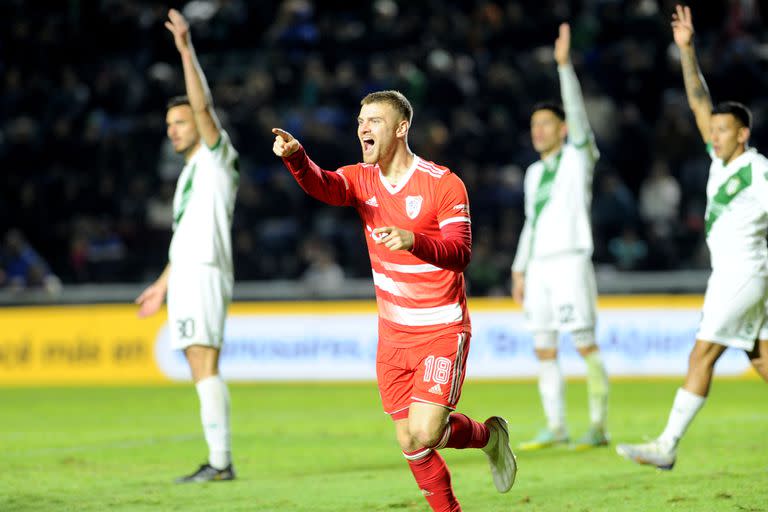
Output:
x=695 y=86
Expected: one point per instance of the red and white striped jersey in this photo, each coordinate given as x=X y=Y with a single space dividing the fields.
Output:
x=420 y=293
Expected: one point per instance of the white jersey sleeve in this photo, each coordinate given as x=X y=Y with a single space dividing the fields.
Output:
x=760 y=181
x=525 y=242
x=579 y=131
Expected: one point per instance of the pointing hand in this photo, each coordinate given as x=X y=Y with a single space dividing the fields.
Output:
x=285 y=144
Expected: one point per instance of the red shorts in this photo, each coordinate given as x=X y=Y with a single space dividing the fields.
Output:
x=431 y=373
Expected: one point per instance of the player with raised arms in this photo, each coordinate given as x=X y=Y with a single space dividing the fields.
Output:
x=416 y=219
x=736 y=223
x=552 y=274
x=199 y=276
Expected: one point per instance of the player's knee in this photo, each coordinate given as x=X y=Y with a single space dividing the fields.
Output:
x=545 y=341
x=584 y=341
x=695 y=361
x=702 y=359
x=203 y=361
x=407 y=441
x=425 y=435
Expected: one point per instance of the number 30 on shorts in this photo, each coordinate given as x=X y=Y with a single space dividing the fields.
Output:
x=186 y=327
x=437 y=369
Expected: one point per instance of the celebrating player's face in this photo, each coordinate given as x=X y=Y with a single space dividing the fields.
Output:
x=547 y=131
x=377 y=127
x=181 y=128
x=727 y=135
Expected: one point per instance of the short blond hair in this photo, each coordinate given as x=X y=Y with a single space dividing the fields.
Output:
x=395 y=99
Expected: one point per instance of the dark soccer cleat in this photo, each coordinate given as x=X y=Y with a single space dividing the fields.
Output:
x=208 y=473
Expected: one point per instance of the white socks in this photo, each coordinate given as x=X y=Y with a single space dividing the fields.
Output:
x=597 y=389
x=214 y=413
x=684 y=409
x=552 y=390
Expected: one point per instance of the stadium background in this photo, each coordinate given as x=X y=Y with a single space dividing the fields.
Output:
x=88 y=175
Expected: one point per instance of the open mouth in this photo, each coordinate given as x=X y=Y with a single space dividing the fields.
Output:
x=367 y=145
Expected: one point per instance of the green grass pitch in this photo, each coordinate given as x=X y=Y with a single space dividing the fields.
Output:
x=328 y=447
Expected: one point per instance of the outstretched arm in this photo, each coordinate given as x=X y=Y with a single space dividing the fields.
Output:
x=695 y=86
x=330 y=187
x=197 y=87
x=579 y=131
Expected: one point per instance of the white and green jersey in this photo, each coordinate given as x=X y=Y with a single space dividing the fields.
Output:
x=203 y=206
x=558 y=190
x=736 y=220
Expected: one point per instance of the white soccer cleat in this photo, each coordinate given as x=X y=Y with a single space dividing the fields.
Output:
x=653 y=453
x=500 y=457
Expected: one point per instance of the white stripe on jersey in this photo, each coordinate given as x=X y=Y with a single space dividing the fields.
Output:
x=454 y=219
x=425 y=166
x=386 y=283
x=420 y=317
x=340 y=172
x=431 y=173
x=410 y=269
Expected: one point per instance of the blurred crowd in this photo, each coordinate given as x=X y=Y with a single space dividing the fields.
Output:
x=89 y=177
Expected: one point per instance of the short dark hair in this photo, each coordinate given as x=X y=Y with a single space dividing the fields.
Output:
x=737 y=110
x=177 y=101
x=552 y=106
x=395 y=99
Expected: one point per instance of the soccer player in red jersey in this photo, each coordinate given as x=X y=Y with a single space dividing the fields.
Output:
x=417 y=225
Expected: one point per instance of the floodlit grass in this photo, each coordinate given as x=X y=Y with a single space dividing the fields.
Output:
x=328 y=447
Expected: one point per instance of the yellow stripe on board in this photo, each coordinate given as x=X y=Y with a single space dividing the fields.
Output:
x=604 y=302
x=96 y=344
x=475 y=304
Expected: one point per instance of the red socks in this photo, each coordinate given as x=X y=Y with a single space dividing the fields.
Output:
x=429 y=468
x=434 y=479
x=464 y=432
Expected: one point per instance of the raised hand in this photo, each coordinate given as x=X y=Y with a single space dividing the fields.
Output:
x=285 y=144
x=682 y=26
x=179 y=27
x=395 y=239
x=563 y=45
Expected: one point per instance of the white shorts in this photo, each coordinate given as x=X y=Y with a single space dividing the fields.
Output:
x=198 y=297
x=560 y=293
x=734 y=310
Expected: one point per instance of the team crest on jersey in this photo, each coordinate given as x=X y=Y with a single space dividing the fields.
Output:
x=413 y=206
x=733 y=186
